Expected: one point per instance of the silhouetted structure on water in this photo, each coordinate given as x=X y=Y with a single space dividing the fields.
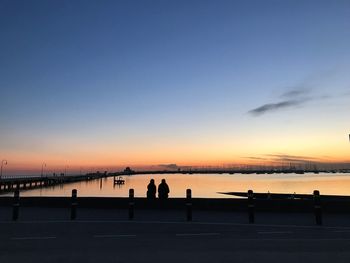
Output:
x=128 y=171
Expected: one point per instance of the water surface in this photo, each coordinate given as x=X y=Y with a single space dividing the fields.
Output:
x=204 y=185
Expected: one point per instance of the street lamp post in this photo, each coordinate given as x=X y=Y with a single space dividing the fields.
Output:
x=42 y=169
x=3 y=162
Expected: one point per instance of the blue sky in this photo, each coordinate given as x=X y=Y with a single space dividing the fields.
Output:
x=120 y=77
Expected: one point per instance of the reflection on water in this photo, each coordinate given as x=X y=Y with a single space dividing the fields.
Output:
x=204 y=185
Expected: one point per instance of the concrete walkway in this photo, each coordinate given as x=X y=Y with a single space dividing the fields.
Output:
x=46 y=235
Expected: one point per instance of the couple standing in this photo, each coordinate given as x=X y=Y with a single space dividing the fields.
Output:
x=163 y=190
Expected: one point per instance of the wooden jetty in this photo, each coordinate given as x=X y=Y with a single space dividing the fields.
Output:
x=10 y=184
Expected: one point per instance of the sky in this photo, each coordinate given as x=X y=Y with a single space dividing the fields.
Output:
x=107 y=83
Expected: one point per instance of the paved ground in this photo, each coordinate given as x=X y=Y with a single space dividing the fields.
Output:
x=45 y=235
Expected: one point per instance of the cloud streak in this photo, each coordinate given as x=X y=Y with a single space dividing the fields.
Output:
x=292 y=98
x=291 y=158
x=277 y=106
x=295 y=92
x=254 y=158
x=277 y=158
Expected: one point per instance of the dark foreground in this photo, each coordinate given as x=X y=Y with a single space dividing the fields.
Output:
x=99 y=235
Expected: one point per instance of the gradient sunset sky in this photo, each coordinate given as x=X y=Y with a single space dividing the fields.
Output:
x=106 y=83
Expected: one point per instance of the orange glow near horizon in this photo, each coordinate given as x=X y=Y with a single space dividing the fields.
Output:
x=195 y=158
x=201 y=151
x=251 y=143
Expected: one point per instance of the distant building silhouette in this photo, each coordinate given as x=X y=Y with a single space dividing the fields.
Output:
x=128 y=170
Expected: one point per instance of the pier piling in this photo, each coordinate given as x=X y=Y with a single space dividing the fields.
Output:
x=15 y=211
x=189 y=204
x=251 y=207
x=131 y=204
x=317 y=207
x=74 y=204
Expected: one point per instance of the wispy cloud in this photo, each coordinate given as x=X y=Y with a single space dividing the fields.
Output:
x=296 y=92
x=280 y=157
x=293 y=97
x=347 y=93
x=277 y=106
x=254 y=158
x=291 y=158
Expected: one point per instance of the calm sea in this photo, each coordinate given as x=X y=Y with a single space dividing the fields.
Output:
x=204 y=185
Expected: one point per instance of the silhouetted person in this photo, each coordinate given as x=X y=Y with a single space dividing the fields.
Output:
x=163 y=190
x=151 y=190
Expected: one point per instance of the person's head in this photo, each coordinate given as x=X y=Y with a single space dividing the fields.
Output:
x=163 y=181
x=152 y=181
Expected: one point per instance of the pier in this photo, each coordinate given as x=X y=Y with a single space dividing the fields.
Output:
x=10 y=184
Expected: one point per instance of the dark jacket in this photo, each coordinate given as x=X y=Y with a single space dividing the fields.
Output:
x=151 y=191
x=163 y=191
